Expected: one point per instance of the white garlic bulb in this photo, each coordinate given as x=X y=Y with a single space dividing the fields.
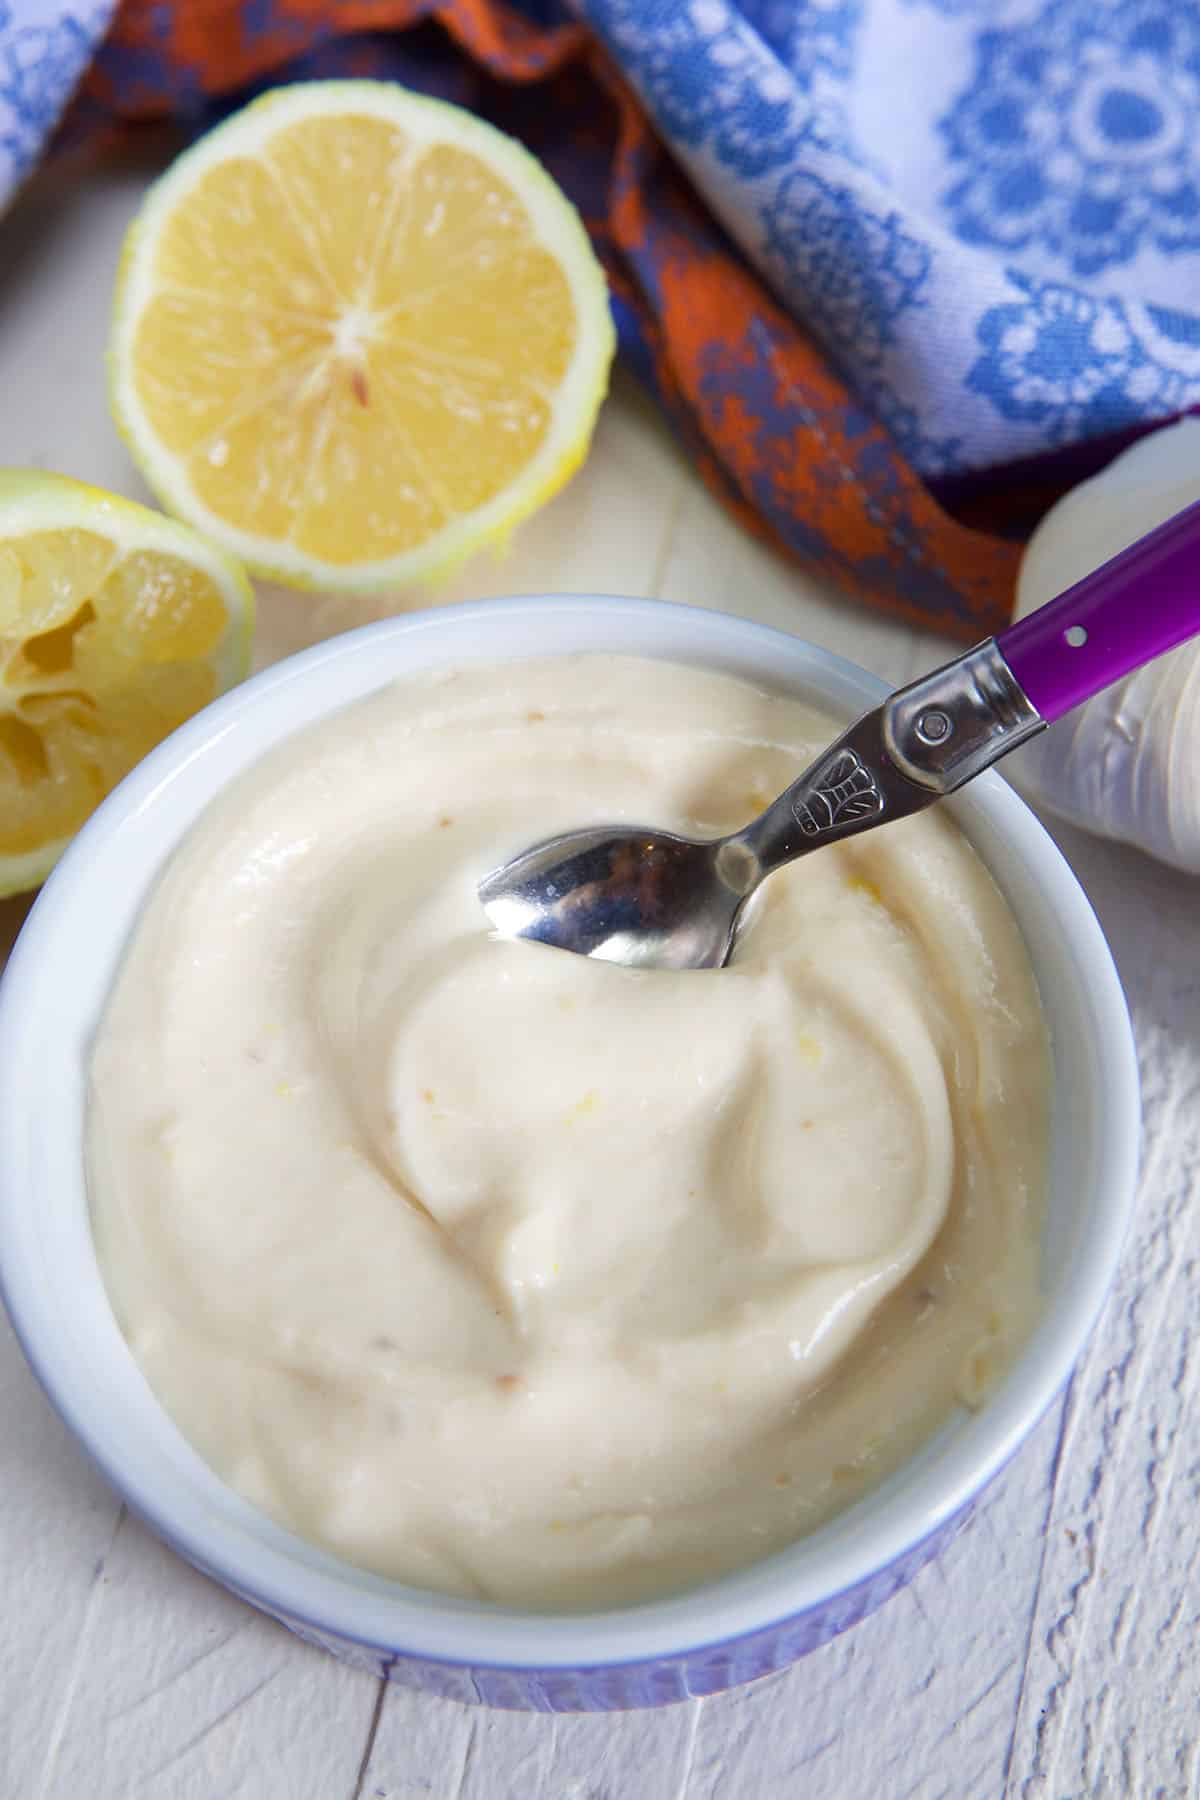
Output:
x=1126 y=764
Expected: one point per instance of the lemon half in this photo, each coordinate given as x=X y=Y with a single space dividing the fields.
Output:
x=357 y=333
x=115 y=625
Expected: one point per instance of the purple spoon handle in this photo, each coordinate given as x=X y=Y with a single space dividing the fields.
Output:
x=1125 y=613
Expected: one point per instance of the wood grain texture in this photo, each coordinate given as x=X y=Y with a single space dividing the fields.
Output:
x=57 y=1522
x=1046 y=1656
x=182 y=1690
x=1111 y=1702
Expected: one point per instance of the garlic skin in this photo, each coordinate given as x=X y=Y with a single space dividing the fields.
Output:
x=1127 y=764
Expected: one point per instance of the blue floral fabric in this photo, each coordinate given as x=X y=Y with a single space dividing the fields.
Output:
x=44 y=49
x=987 y=211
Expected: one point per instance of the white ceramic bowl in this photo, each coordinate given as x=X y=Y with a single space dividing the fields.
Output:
x=733 y=1629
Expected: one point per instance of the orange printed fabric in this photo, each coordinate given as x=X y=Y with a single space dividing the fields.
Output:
x=774 y=429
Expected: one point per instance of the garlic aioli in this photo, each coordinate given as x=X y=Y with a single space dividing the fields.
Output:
x=526 y=1277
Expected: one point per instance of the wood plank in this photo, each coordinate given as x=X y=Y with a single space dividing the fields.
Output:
x=1112 y=1689
x=428 y=1747
x=182 y=1691
x=57 y=1521
x=62 y=242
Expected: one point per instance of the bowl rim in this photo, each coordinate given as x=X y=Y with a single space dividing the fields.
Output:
x=281 y=1572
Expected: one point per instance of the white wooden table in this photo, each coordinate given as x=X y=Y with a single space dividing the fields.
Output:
x=1050 y=1653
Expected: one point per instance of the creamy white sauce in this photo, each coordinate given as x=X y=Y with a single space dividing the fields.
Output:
x=517 y=1275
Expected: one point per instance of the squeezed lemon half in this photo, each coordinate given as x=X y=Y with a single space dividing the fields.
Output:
x=357 y=333
x=115 y=625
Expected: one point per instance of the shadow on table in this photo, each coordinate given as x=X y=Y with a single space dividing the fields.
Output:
x=13 y=914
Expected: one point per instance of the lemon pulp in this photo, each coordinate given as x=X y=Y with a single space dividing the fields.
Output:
x=114 y=628
x=358 y=331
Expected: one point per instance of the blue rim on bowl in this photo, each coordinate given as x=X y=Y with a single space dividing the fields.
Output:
x=746 y=1623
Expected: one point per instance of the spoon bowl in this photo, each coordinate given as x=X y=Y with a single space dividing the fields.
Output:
x=626 y=894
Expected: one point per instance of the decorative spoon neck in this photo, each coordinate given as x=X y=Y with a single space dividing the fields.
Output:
x=926 y=740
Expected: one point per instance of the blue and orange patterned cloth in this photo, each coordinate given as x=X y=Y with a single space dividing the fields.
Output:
x=896 y=269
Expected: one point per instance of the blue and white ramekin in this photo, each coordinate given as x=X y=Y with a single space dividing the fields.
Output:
x=733 y=1629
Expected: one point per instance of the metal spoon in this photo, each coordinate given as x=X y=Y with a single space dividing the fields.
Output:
x=653 y=899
